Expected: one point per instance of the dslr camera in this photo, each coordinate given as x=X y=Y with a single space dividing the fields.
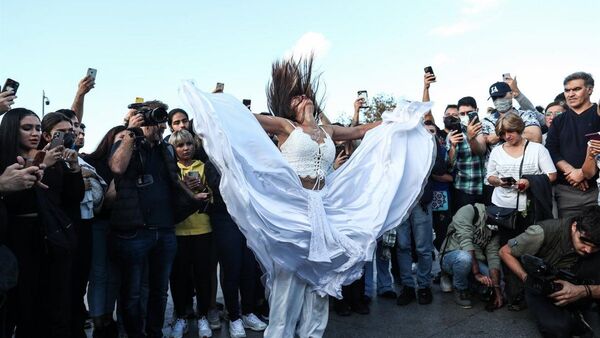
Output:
x=541 y=277
x=152 y=116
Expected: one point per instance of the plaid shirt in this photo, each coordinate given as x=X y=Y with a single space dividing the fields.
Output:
x=468 y=168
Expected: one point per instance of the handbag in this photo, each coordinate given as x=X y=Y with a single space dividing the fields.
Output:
x=58 y=227
x=506 y=217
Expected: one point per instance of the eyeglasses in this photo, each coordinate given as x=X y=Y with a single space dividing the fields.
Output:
x=428 y=123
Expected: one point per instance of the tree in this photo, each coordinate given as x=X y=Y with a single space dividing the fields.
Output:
x=379 y=104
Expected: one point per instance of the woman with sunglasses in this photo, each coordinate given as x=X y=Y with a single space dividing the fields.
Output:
x=310 y=228
x=508 y=164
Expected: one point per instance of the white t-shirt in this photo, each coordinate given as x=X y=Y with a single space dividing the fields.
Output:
x=537 y=161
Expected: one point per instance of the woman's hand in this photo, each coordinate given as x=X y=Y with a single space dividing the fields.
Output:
x=71 y=157
x=53 y=155
x=522 y=185
x=340 y=159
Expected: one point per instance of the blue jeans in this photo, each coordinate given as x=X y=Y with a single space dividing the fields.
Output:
x=104 y=274
x=384 y=277
x=132 y=250
x=419 y=224
x=458 y=263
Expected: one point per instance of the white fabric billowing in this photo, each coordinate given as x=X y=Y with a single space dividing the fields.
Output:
x=326 y=236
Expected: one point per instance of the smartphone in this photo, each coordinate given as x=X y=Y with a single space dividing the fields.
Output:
x=11 y=84
x=220 y=86
x=473 y=116
x=193 y=174
x=37 y=159
x=429 y=70
x=362 y=94
x=505 y=76
x=593 y=136
x=58 y=139
x=92 y=73
x=247 y=103
x=509 y=180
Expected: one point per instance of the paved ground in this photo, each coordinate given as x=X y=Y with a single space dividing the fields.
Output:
x=441 y=319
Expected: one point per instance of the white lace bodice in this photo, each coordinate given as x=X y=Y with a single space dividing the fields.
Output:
x=307 y=157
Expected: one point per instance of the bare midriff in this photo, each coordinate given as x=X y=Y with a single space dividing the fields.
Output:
x=312 y=183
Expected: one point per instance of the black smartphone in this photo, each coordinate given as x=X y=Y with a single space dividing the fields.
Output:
x=509 y=180
x=429 y=70
x=220 y=86
x=593 y=136
x=247 y=103
x=473 y=116
x=11 y=84
x=58 y=139
x=362 y=94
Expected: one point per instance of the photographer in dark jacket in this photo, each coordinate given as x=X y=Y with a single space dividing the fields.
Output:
x=566 y=244
x=150 y=201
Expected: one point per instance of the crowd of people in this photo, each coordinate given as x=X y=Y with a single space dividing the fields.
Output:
x=143 y=214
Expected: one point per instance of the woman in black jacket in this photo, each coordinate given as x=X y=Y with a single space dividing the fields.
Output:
x=40 y=233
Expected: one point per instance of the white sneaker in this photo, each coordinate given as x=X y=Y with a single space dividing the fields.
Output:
x=179 y=328
x=204 y=330
x=236 y=329
x=253 y=323
x=214 y=319
x=445 y=283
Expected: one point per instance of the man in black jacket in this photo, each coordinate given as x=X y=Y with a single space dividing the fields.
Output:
x=150 y=201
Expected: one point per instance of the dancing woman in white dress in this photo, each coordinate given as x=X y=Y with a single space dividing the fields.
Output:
x=311 y=229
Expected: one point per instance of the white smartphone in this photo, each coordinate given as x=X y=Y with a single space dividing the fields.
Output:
x=92 y=73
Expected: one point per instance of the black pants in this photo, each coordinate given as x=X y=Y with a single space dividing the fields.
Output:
x=554 y=321
x=238 y=265
x=191 y=271
x=513 y=284
x=39 y=306
x=353 y=294
x=82 y=260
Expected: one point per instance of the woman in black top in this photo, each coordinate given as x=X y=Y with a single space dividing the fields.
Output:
x=39 y=231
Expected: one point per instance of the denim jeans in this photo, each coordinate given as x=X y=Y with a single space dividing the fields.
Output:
x=419 y=224
x=104 y=275
x=132 y=250
x=384 y=277
x=458 y=264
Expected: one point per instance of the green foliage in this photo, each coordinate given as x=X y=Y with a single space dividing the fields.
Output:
x=379 y=104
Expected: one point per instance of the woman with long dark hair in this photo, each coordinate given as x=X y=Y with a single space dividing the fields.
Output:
x=104 y=276
x=40 y=233
x=311 y=229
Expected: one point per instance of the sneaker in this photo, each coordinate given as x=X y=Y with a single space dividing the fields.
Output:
x=463 y=299
x=236 y=329
x=253 y=323
x=179 y=328
x=389 y=295
x=214 y=319
x=446 y=283
x=406 y=296
x=342 y=308
x=204 y=330
x=425 y=296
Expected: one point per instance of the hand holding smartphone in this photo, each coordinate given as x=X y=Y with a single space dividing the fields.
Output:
x=11 y=84
x=58 y=139
x=91 y=72
x=593 y=136
x=508 y=181
x=37 y=159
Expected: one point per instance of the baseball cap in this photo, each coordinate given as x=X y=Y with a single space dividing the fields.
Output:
x=499 y=89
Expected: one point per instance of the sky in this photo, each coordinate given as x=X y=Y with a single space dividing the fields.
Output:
x=145 y=48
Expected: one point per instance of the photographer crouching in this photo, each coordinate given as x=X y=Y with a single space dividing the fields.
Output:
x=150 y=201
x=559 y=266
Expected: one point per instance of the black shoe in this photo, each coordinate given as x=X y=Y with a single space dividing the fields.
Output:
x=517 y=304
x=389 y=295
x=406 y=296
x=366 y=299
x=437 y=278
x=361 y=308
x=425 y=296
x=342 y=308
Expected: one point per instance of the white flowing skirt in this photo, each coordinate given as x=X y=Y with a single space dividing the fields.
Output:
x=326 y=236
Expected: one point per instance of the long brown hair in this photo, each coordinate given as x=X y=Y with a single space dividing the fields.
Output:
x=291 y=78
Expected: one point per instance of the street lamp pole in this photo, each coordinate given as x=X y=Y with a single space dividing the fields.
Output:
x=45 y=102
